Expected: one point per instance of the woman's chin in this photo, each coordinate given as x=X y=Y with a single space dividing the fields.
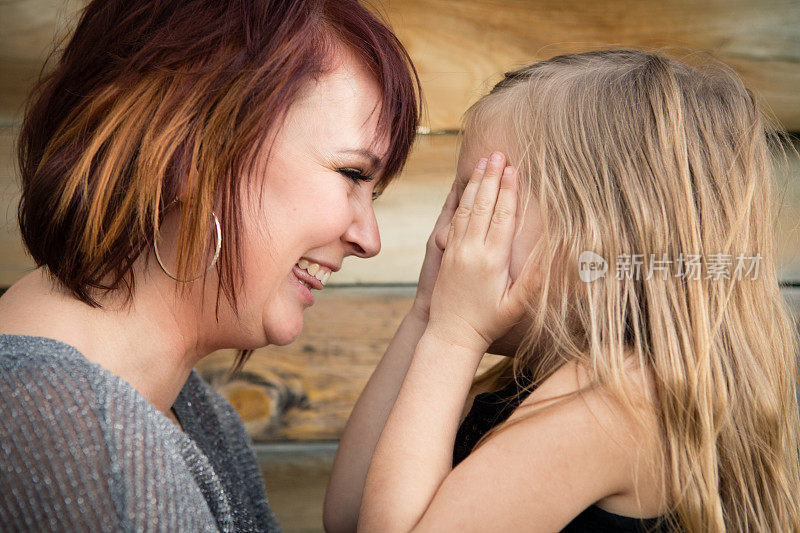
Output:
x=283 y=333
x=284 y=340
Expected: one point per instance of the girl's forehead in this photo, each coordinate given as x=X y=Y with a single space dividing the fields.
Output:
x=471 y=150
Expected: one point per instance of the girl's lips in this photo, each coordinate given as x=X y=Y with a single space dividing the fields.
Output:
x=308 y=297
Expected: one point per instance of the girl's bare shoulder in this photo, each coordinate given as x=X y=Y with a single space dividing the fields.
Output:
x=631 y=438
x=563 y=455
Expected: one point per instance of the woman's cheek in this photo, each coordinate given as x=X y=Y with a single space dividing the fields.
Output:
x=331 y=220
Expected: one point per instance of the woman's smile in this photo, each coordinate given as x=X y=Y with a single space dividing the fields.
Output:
x=318 y=273
x=299 y=279
x=307 y=275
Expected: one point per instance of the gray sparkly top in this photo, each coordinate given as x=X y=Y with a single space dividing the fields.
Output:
x=82 y=450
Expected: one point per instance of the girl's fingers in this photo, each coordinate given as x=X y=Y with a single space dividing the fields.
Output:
x=464 y=210
x=503 y=219
x=446 y=216
x=486 y=198
x=449 y=207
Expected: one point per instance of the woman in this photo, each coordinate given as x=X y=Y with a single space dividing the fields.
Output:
x=177 y=152
x=647 y=386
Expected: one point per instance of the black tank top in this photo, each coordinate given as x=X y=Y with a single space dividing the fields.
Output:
x=490 y=409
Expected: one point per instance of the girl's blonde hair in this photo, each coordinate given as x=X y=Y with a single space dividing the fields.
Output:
x=630 y=152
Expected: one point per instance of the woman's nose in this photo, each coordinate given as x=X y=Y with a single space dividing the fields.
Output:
x=362 y=237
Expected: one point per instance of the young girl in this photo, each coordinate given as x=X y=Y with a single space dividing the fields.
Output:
x=651 y=377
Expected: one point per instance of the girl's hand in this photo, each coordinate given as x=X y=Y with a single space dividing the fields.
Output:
x=433 y=259
x=474 y=302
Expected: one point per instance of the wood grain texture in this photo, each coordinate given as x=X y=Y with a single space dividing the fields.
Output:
x=29 y=30
x=406 y=214
x=787 y=230
x=14 y=261
x=461 y=47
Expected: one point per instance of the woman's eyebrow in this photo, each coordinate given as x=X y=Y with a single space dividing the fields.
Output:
x=374 y=160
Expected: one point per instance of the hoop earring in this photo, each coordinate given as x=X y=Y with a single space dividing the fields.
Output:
x=213 y=261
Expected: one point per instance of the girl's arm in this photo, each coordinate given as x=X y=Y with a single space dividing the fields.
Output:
x=343 y=495
x=532 y=476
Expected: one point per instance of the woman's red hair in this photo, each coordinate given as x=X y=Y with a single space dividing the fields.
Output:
x=153 y=97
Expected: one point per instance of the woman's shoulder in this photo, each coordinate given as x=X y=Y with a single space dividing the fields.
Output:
x=74 y=432
x=219 y=431
x=51 y=374
x=55 y=373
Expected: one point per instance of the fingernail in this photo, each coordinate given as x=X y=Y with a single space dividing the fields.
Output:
x=482 y=163
x=497 y=157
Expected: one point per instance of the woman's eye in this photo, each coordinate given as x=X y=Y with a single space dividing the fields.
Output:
x=355 y=174
x=358 y=177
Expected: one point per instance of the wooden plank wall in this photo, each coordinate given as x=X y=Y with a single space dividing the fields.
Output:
x=460 y=46
x=305 y=391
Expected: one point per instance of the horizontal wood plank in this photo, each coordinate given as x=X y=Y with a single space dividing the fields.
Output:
x=28 y=33
x=460 y=47
x=14 y=260
x=406 y=214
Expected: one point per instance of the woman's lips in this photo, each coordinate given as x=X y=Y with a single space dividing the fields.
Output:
x=308 y=278
x=305 y=292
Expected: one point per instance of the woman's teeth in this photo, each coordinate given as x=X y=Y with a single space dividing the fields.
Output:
x=318 y=271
